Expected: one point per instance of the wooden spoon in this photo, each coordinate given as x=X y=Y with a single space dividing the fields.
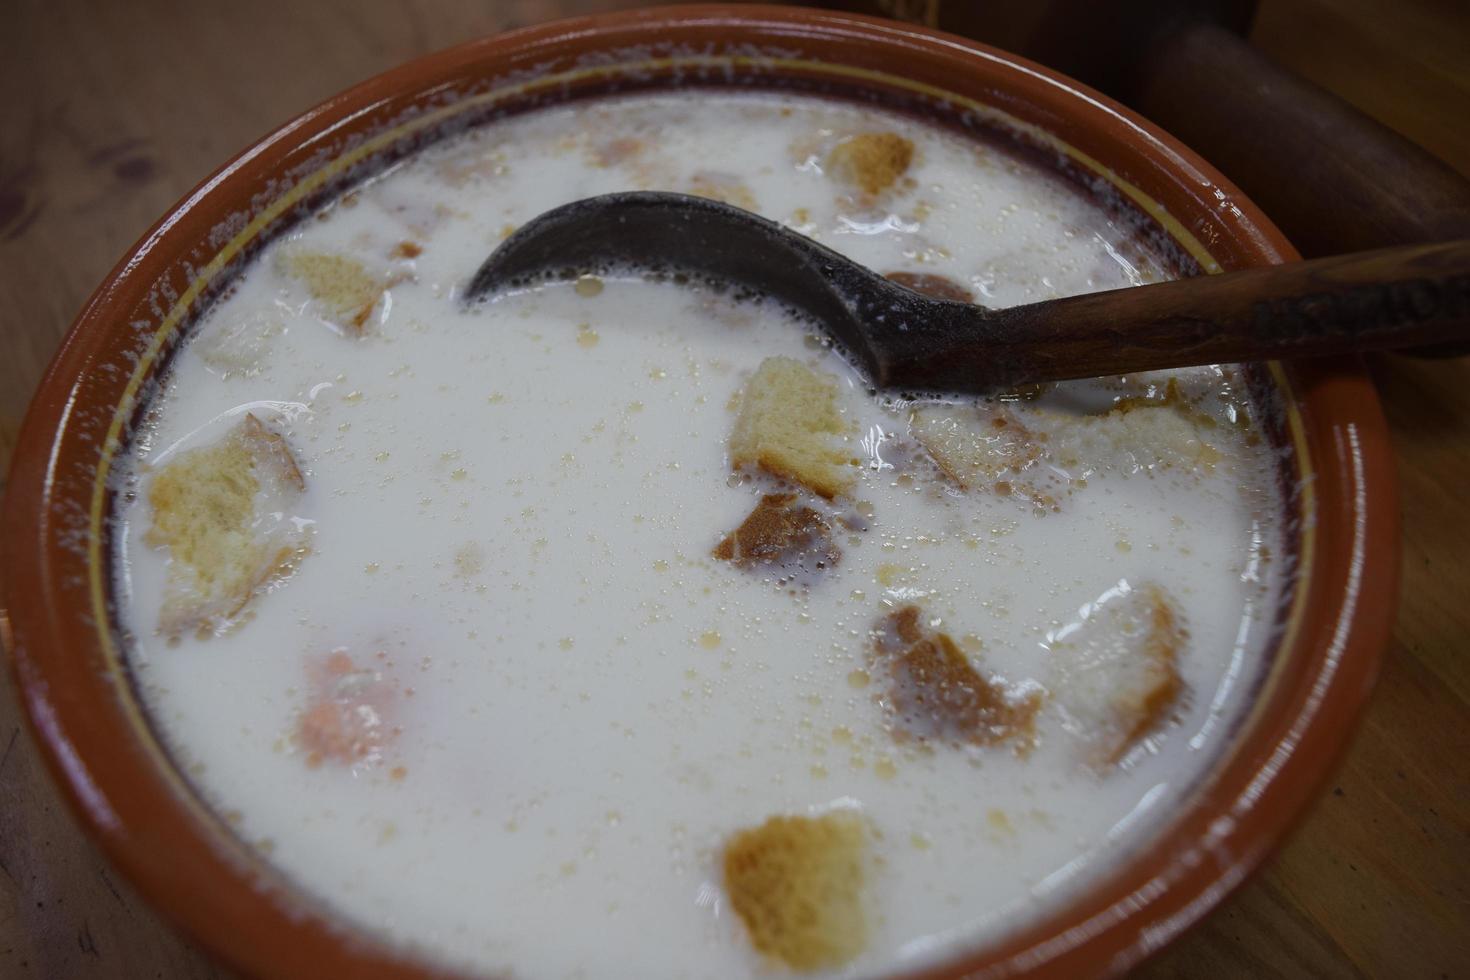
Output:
x=1397 y=297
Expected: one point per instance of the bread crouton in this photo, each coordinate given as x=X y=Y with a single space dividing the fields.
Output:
x=221 y=512
x=975 y=447
x=985 y=448
x=235 y=346
x=871 y=162
x=1172 y=427
x=783 y=533
x=620 y=149
x=931 y=284
x=1140 y=434
x=1163 y=438
x=935 y=692
x=348 y=718
x=797 y=884
x=788 y=419
x=346 y=291
x=724 y=188
x=1117 y=677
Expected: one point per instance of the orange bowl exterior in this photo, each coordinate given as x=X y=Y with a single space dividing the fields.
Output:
x=206 y=881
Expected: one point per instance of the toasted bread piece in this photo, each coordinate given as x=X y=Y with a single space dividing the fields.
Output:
x=234 y=347
x=724 y=188
x=611 y=152
x=797 y=884
x=218 y=512
x=783 y=533
x=347 y=721
x=1141 y=433
x=989 y=447
x=1117 y=677
x=788 y=418
x=932 y=284
x=1164 y=437
x=975 y=447
x=934 y=692
x=344 y=288
x=871 y=162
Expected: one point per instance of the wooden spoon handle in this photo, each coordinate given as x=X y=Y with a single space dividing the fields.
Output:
x=1395 y=297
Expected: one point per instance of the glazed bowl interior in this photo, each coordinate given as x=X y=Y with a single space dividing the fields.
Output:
x=1336 y=464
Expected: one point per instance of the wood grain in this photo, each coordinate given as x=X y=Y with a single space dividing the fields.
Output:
x=110 y=112
x=1333 y=178
x=1395 y=298
x=1405 y=64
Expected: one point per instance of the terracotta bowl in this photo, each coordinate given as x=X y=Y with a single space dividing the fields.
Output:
x=61 y=629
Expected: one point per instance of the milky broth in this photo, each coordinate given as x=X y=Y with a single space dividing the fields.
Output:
x=515 y=506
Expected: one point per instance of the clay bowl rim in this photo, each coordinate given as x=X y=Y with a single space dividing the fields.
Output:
x=167 y=844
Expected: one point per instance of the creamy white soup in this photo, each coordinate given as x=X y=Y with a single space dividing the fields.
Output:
x=616 y=627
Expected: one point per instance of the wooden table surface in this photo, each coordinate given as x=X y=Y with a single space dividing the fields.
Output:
x=109 y=112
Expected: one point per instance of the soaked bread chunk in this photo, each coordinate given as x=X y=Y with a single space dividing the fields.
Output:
x=797 y=884
x=787 y=424
x=871 y=162
x=237 y=347
x=723 y=188
x=934 y=692
x=931 y=284
x=985 y=448
x=1053 y=453
x=975 y=447
x=347 y=719
x=614 y=151
x=1117 y=675
x=1140 y=434
x=220 y=512
x=783 y=533
x=345 y=289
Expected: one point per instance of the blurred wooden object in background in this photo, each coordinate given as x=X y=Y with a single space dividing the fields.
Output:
x=1332 y=177
x=1406 y=64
